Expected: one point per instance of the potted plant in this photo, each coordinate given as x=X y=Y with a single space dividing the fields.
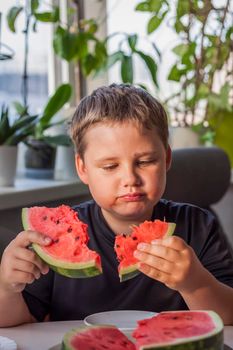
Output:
x=202 y=72
x=11 y=133
x=41 y=144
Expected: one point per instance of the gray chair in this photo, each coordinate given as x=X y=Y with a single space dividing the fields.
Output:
x=200 y=176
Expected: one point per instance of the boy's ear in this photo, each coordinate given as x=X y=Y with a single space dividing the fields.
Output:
x=168 y=158
x=81 y=169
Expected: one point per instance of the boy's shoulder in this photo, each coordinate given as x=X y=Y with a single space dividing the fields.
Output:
x=182 y=212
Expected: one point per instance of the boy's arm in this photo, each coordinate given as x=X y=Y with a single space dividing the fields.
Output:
x=211 y=295
x=13 y=309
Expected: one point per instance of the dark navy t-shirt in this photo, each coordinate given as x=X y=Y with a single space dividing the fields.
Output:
x=72 y=299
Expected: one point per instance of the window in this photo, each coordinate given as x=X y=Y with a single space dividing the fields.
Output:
x=11 y=71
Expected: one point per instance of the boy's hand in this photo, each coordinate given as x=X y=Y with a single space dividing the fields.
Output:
x=172 y=262
x=20 y=265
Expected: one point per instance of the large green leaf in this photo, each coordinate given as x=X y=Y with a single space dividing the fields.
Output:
x=65 y=44
x=12 y=16
x=127 y=69
x=151 y=65
x=55 y=103
x=175 y=73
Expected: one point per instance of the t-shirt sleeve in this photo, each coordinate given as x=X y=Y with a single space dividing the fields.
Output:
x=215 y=251
x=38 y=296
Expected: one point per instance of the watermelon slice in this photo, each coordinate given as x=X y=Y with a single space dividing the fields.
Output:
x=196 y=330
x=96 y=338
x=68 y=253
x=125 y=245
x=178 y=330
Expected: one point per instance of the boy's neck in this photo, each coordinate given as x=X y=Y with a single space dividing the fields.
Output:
x=118 y=225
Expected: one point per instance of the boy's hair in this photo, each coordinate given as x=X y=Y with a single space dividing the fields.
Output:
x=117 y=103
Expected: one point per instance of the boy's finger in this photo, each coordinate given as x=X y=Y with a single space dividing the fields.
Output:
x=173 y=242
x=30 y=256
x=28 y=267
x=160 y=251
x=25 y=238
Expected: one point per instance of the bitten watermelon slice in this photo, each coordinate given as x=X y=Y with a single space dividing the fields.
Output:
x=68 y=253
x=180 y=330
x=125 y=245
x=96 y=338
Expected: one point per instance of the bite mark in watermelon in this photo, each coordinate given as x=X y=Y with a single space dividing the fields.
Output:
x=96 y=338
x=125 y=245
x=180 y=330
x=68 y=254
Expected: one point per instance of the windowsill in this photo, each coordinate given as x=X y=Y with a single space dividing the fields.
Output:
x=28 y=191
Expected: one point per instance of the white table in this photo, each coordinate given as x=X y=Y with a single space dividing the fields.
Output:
x=48 y=335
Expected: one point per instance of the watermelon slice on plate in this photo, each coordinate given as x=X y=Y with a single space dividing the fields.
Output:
x=180 y=330
x=125 y=245
x=172 y=330
x=68 y=254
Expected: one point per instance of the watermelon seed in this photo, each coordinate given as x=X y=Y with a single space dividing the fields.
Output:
x=117 y=246
x=56 y=240
x=77 y=238
x=69 y=229
x=134 y=238
x=57 y=222
x=124 y=235
x=44 y=218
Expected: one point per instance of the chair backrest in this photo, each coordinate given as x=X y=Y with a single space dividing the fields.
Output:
x=199 y=176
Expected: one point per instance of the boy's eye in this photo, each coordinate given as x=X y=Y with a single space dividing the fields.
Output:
x=146 y=162
x=109 y=167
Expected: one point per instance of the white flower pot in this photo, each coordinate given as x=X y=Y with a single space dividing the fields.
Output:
x=8 y=160
x=183 y=137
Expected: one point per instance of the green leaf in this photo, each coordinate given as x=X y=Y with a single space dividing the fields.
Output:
x=151 y=65
x=132 y=41
x=22 y=122
x=20 y=109
x=34 y=5
x=58 y=140
x=55 y=103
x=66 y=44
x=183 y=7
x=143 y=6
x=113 y=58
x=222 y=124
x=51 y=17
x=12 y=16
x=155 y=22
x=181 y=49
x=175 y=73
x=127 y=69
x=88 y=64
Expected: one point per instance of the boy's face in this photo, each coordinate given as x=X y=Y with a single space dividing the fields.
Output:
x=125 y=169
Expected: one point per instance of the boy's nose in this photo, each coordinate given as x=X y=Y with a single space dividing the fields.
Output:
x=130 y=177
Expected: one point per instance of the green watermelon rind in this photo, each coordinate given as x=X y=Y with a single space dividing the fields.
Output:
x=131 y=271
x=209 y=341
x=66 y=268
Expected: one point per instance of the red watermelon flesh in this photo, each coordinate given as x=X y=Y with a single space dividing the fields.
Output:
x=169 y=327
x=68 y=252
x=97 y=338
x=125 y=245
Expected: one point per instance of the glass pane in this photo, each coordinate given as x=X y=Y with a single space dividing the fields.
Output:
x=11 y=71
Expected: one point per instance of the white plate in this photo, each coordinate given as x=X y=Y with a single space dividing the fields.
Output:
x=125 y=320
x=7 y=344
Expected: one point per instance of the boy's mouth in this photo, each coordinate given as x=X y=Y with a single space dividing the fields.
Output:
x=132 y=197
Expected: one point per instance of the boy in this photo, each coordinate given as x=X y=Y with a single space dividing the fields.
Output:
x=120 y=134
